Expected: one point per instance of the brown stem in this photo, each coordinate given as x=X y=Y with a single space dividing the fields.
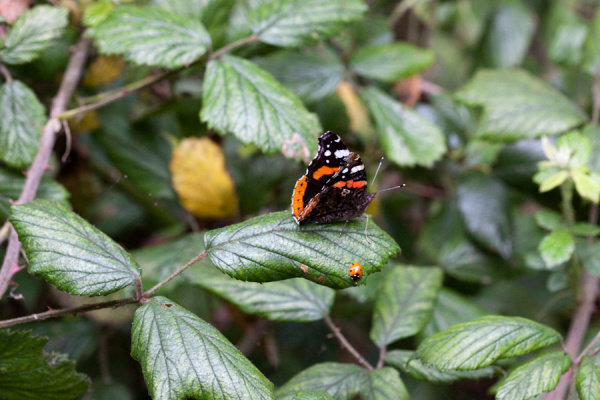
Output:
x=234 y=45
x=66 y=311
x=194 y=260
x=34 y=175
x=382 y=353
x=5 y=73
x=336 y=331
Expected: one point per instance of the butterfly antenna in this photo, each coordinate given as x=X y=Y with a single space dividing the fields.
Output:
x=395 y=187
x=376 y=172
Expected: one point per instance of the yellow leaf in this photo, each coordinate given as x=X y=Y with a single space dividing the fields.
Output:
x=88 y=122
x=359 y=117
x=103 y=70
x=201 y=180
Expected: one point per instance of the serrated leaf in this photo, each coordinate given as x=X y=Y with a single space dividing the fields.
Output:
x=588 y=379
x=553 y=180
x=21 y=119
x=405 y=303
x=27 y=373
x=241 y=98
x=341 y=381
x=550 y=220
x=151 y=36
x=407 y=362
x=183 y=356
x=511 y=30
x=313 y=395
x=291 y=300
x=273 y=247
x=384 y=384
x=292 y=23
x=450 y=309
x=68 y=252
x=11 y=185
x=518 y=105
x=186 y=8
x=390 y=62
x=483 y=202
x=481 y=342
x=312 y=73
x=591 y=258
x=96 y=13
x=534 y=377
x=587 y=187
x=585 y=229
x=557 y=247
x=32 y=33
x=406 y=138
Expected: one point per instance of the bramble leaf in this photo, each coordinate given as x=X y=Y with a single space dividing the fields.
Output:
x=588 y=379
x=557 y=247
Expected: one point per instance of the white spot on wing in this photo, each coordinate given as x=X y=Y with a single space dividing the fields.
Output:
x=357 y=168
x=327 y=153
x=341 y=153
x=345 y=170
x=327 y=161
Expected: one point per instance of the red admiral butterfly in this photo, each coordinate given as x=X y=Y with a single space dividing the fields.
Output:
x=334 y=187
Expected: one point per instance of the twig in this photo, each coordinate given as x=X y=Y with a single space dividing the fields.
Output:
x=34 y=175
x=382 y=353
x=194 y=260
x=336 y=331
x=234 y=45
x=5 y=73
x=66 y=311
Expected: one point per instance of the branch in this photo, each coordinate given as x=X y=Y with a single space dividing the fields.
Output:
x=336 y=331
x=194 y=260
x=34 y=175
x=234 y=45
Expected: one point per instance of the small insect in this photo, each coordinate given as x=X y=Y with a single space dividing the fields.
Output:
x=356 y=272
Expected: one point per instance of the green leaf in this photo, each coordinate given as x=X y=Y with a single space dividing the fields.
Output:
x=407 y=362
x=406 y=138
x=481 y=342
x=241 y=98
x=588 y=379
x=534 y=377
x=591 y=258
x=483 y=202
x=550 y=220
x=291 y=300
x=384 y=384
x=405 y=304
x=110 y=391
x=312 y=73
x=186 y=8
x=313 y=395
x=390 y=62
x=585 y=229
x=292 y=23
x=21 y=119
x=32 y=33
x=151 y=36
x=183 y=356
x=450 y=309
x=591 y=51
x=511 y=30
x=568 y=38
x=518 y=105
x=95 y=13
x=552 y=180
x=341 y=381
x=557 y=247
x=28 y=373
x=11 y=185
x=587 y=187
x=273 y=247
x=68 y=252
x=578 y=146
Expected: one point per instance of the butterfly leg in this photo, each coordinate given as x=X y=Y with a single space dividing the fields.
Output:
x=344 y=228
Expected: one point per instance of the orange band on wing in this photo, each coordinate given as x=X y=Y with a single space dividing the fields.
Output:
x=297 y=203
x=324 y=171
x=357 y=184
x=340 y=184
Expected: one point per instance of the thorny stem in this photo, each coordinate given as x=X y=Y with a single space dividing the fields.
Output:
x=34 y=175
x=336 y=331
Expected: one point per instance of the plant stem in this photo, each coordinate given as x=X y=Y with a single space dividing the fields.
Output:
x=234 y=45
x=336 y=331
x=34 y=175
x=5 y=73
x=382 y=353
x=175 y=273
x=566 y=191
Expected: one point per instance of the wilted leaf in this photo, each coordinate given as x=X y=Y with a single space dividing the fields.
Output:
x=29 y=373
x=390 y=62
x=405 y=303
x=273 y=247
x=241 y=98
x=534 y=377
x=557 y=247
x=518 y=105
x=292 y=23
x=406 y=138
x=21 y=119
x=32 y=33
x=183 y=356
x=70 y=253
x=479 y=343
x=151 y=36
x=201 y=180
